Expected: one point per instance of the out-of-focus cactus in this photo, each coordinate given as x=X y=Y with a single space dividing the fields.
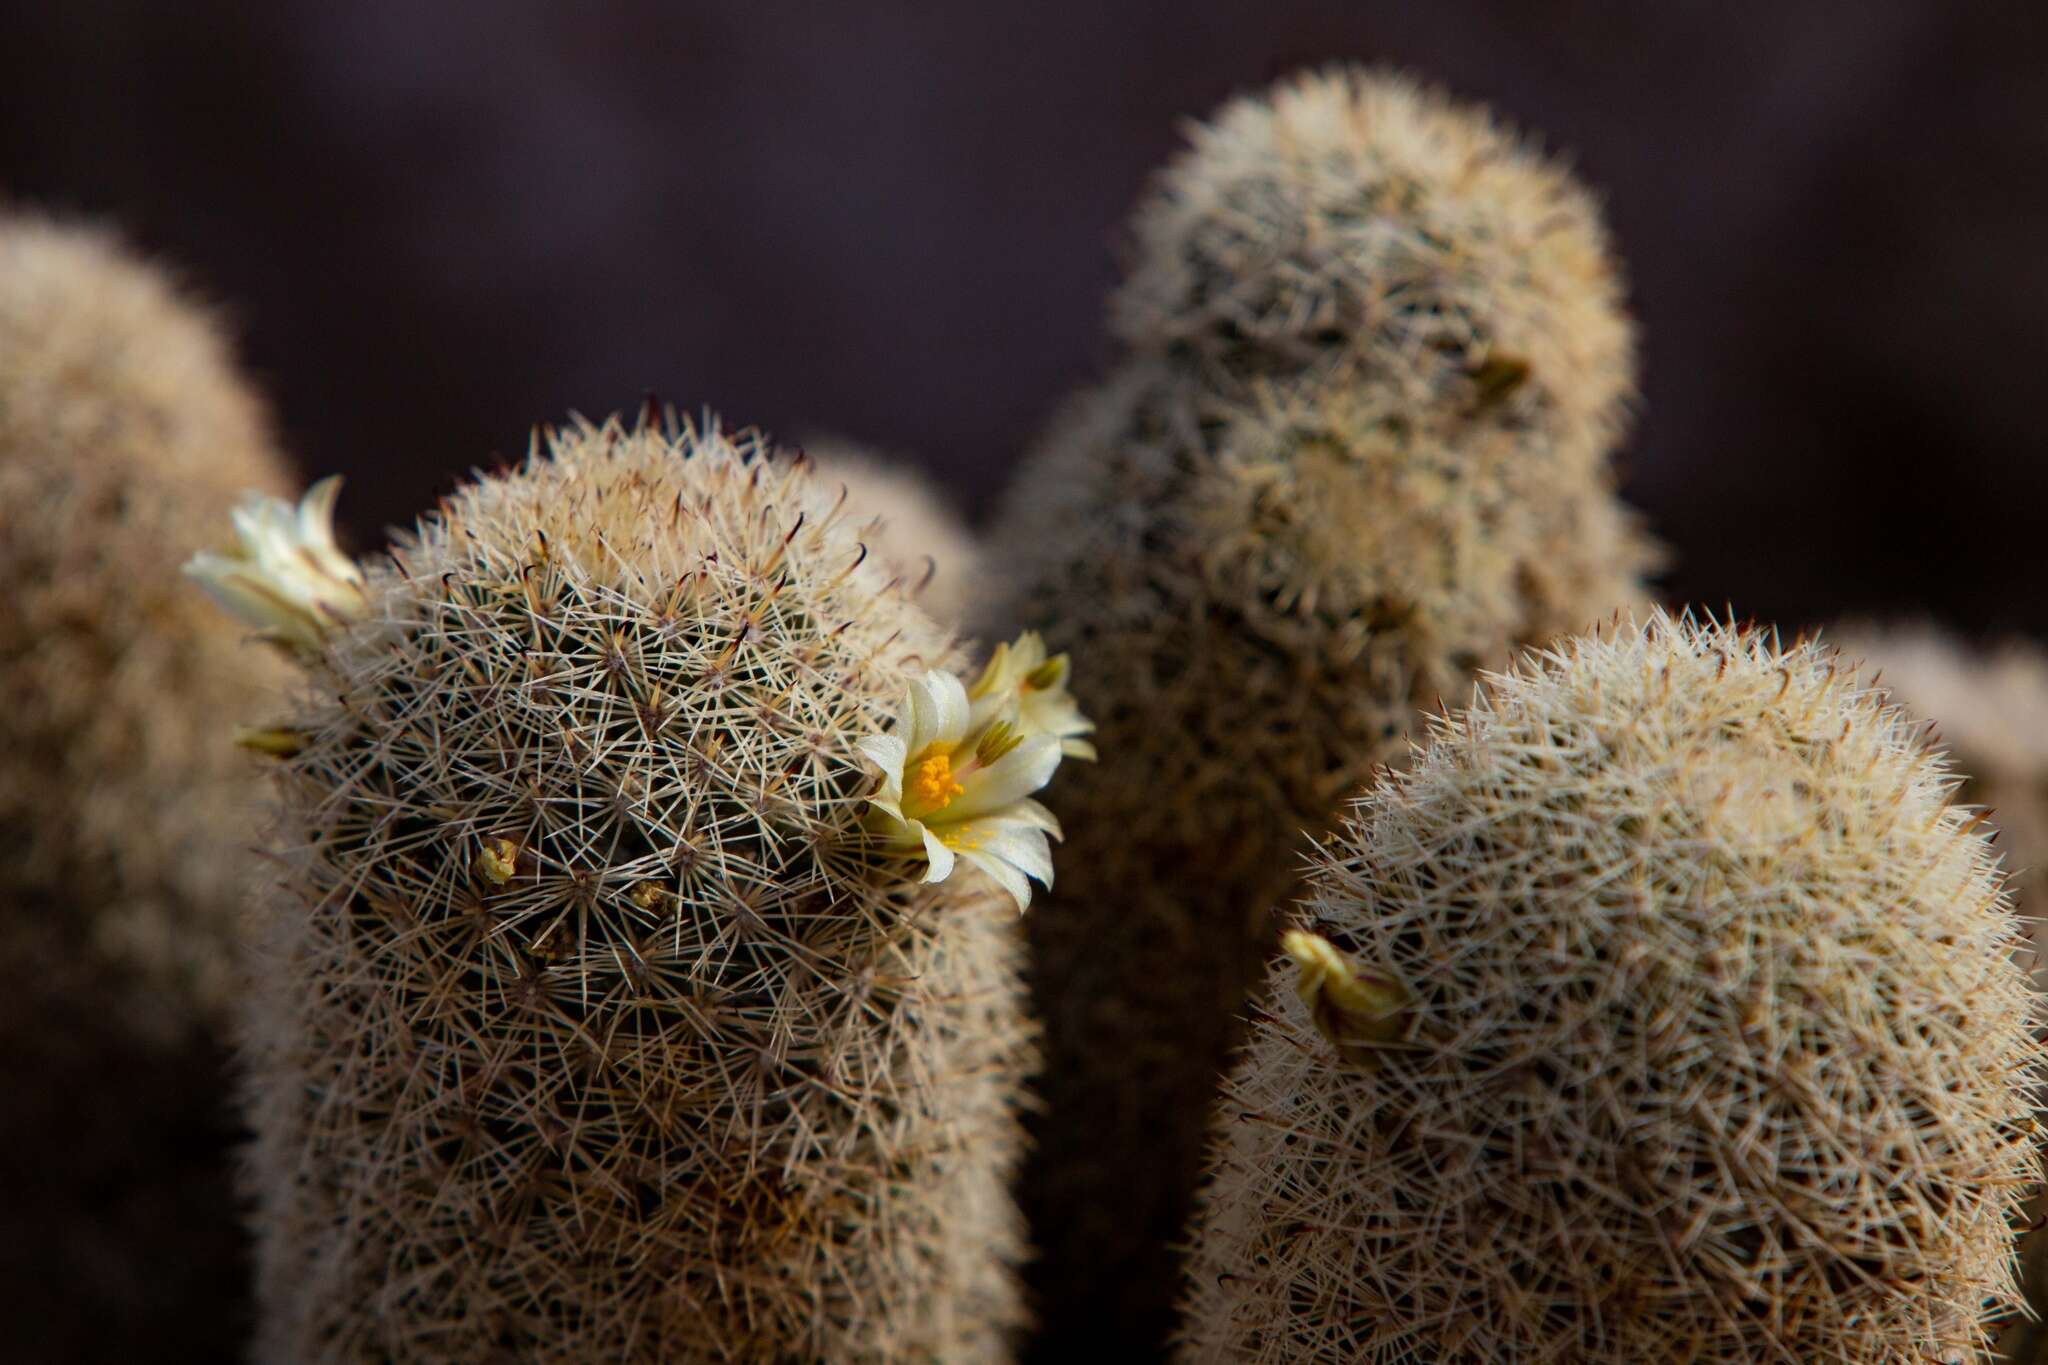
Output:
x=613 y=1008
x=126 y=433
x=1664 y=1009
x=916 y=530
x=1357 y=450
x=1990 y=711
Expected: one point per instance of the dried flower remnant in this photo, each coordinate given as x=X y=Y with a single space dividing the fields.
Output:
x=1349 y=1006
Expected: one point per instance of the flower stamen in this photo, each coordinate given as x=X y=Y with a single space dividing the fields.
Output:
x=934 y=786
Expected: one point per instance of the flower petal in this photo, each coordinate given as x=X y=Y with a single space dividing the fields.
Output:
x=940 y=857
x=886 y=752
x=1004 y=875
x=953 y=709
x=1029 y=812
x=1022 y=846
x=1010 y=778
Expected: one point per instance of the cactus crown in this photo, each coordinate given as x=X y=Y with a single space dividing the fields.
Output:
x=1352 y=215
x=633 y=1039
x=1712 y=1045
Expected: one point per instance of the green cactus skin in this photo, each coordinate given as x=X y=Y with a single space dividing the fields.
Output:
x=590 y=1027
x=126 y=434
x=1358 y=449
x=1711 y=1045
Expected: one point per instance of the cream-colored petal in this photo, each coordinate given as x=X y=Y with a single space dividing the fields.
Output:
x=1004 y=875
x=316 y=531
x=1010 y=778
x=1031 y=813
x=1022 y=846
x=893 y=810
x=933 y=711
x=940 y=857
x=889 y=754
x=953 y=707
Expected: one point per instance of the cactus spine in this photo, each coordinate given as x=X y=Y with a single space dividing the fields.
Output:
x=1707 y=1044
x=1376 y=362
x=916 y=530
x=589 y=1027
x=126 y=433
x=1990 y=708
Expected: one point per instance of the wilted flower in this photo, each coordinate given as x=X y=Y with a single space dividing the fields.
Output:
x=1351 y=1007
x=286 y=577
x=956 y=785
x=1031 y=689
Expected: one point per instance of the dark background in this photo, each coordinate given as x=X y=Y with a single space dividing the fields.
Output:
x=435 y=224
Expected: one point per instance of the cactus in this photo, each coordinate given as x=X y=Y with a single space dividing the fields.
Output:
x=1990 y=708
x=917 y=531
x=1357 y=449
x=603 y=1015
x=1990 y=712
x=1679 y=1021
x=125 y=434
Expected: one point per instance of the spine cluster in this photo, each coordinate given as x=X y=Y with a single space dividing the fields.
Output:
x=914 y=528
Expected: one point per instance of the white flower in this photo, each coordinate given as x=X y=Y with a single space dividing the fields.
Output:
x=957 y=788
x=1030 y=690
x=286 y=576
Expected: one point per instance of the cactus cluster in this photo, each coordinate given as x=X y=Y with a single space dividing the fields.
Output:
x=1357 y=448
x=1681 y=1022
x=635 y=972
x=590 y=1024
x=126 y=434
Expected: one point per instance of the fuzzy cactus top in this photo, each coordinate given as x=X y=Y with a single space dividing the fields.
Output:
x=1706 y=1038
x=1356 y=218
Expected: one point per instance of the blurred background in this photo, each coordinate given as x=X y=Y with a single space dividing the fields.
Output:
x=434 y=225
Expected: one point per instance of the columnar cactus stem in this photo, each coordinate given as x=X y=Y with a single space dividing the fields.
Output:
x=609 y=1011
x=1357 y=449
x=1708 y=1043
x=126 y=433
x=1990 y=712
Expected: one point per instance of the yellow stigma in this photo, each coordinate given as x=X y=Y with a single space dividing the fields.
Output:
x=934 y=785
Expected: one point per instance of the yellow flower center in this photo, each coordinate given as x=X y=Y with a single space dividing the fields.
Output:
x=934 y=786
